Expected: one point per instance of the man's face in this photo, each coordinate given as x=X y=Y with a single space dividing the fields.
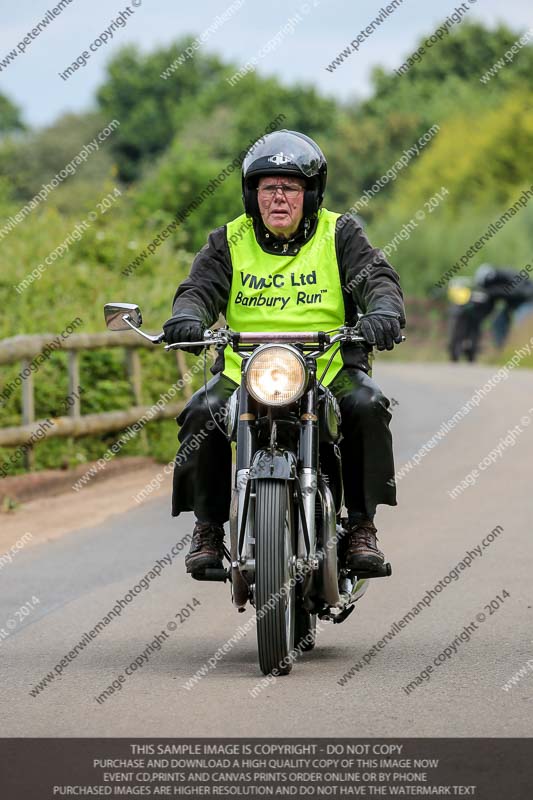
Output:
x=281 y=211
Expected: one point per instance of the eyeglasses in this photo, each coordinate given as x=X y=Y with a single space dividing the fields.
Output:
x=288 y=189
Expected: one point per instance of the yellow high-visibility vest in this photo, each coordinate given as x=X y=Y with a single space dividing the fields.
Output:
x=299 y=292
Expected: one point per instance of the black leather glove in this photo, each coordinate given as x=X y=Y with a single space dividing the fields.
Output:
x=184 y=329
x=381 y=328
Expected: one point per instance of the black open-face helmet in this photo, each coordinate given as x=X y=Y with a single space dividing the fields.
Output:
x=285 y=153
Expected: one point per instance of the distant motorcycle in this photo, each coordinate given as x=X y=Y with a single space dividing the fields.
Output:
x=285 y=516
x=468 y=308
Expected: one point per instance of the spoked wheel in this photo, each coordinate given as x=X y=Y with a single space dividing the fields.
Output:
x=275 y=591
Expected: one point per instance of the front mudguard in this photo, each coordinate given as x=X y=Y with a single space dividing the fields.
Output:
x=281 y=465
x=278 y=464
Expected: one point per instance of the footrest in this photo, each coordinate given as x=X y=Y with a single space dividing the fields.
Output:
x=345 y=613
x=383 y=571
x=211 y=575
x=336 y=617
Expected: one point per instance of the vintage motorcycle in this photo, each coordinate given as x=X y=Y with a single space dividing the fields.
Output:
x=468 y=307
x=285 y=517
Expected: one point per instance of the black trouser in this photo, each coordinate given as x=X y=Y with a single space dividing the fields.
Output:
x=202 y=471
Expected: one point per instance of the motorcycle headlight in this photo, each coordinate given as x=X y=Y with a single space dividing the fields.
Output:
x=276 y=375
x=459 y=295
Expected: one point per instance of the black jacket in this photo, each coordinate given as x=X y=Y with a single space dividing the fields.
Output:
x=369 y=282
x=508 y=285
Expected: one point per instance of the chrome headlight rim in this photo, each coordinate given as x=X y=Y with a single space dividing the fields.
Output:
x=278 y=346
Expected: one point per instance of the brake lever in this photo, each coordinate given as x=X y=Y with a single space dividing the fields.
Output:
x=180 y=345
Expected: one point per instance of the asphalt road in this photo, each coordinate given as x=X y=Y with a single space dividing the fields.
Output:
x=78 y=578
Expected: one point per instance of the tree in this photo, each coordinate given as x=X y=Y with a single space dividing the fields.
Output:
x=33 y=159
x=10 y=117
x=445 y=84
x=149 y=107
x=484 y=161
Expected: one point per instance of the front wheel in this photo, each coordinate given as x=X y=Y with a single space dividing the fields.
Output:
x=456 y=339
x=275 y=589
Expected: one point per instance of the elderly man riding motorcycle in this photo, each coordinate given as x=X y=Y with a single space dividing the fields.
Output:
x=288 y=264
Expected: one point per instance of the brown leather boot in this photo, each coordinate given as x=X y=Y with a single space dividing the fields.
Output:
x=206 y=550
x=360 y=549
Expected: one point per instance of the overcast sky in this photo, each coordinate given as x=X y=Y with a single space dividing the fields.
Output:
x=325 y=27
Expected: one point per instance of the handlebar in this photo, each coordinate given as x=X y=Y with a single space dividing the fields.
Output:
x=121 y=316
x=224 y=336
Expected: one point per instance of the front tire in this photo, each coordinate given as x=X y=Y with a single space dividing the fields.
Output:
x=275 y=591
x=456 y=339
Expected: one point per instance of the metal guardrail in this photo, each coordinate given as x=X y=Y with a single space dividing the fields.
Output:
x=26 y=348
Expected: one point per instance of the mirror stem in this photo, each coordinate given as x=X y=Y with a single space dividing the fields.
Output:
x=154 y=339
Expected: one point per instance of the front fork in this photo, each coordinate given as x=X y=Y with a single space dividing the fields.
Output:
x=303 y=477
x=308 y=483
x=315 y=562
x=242 y=510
